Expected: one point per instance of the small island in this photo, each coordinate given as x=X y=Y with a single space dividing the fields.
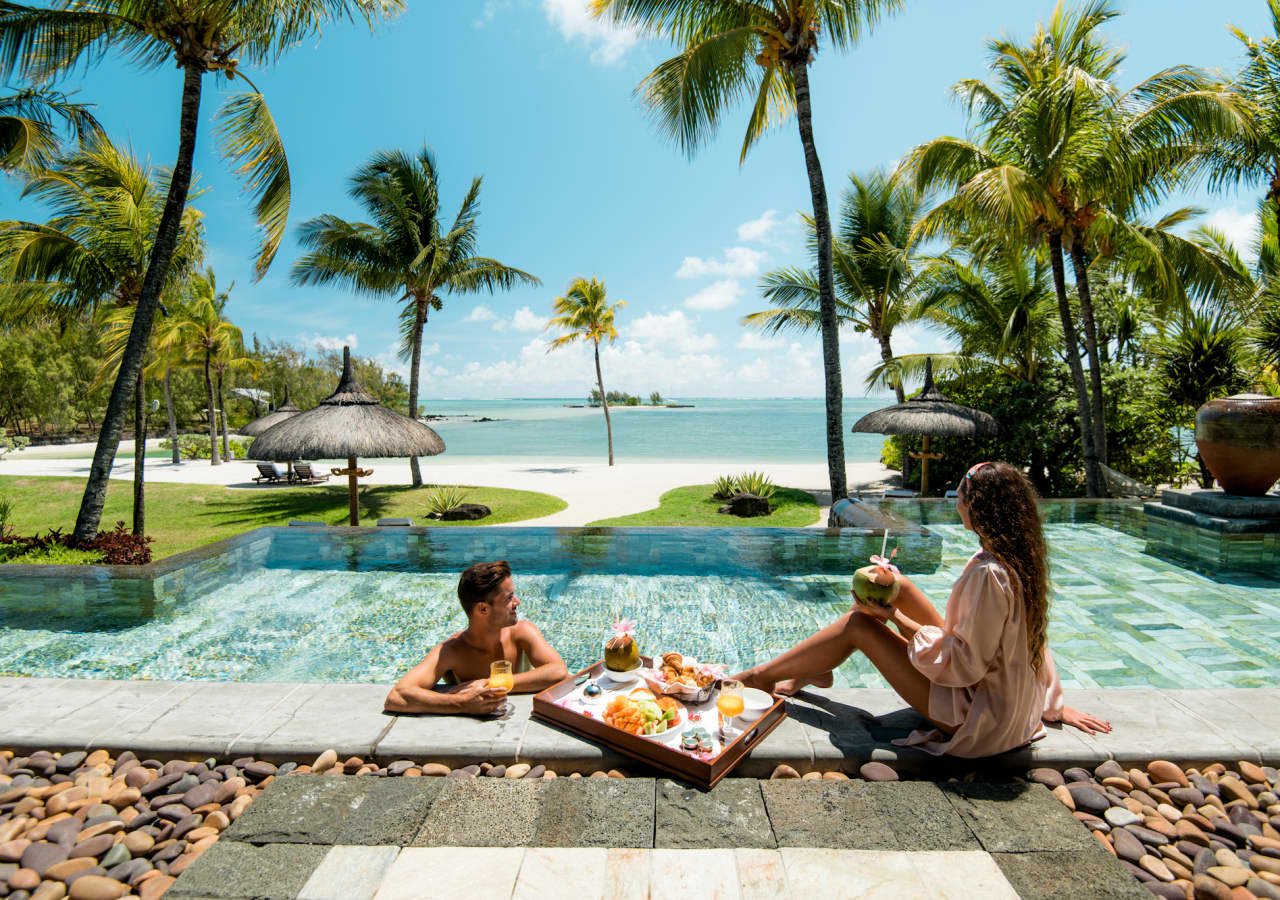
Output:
x=621 y=398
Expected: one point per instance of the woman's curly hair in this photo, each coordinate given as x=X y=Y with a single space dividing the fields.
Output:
x=1003 y=512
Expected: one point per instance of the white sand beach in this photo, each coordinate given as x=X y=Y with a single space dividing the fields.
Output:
x=593 y=490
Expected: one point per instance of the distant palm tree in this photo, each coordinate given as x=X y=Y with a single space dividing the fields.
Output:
x=210 y=338
x=1064 y=162
x=406 y=253
x=91 y=257
x=874 y=255
x=732 y=49
x=39 y=44
x=28 y=127
x=585 y=314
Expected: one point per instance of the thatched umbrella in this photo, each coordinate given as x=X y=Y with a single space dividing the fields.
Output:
x=348 y=423
x=276 y=416
x=932 y=415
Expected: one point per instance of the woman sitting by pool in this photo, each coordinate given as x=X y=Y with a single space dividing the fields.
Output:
x=983 y=675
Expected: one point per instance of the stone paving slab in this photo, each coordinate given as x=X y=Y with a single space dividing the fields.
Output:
x=301 y=809
x=349 y=873
x=597 y=812
x=236 y=871
x=483 y=812
x=732 y=814
x=392 y=812
x=462 y=872
x=920 y=816
x=832 y=729
x=836 y=814
x=1069 y=875
x=1018 y=818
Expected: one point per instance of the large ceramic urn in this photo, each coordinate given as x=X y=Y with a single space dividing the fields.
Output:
x=1239 y=440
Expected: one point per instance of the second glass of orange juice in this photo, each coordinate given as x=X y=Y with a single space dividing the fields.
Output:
x=730 y=704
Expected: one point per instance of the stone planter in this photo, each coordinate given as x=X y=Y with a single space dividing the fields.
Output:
x=1239 y=440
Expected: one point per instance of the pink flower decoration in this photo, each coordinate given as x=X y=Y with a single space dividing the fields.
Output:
x=884 y=563
x=623 y=627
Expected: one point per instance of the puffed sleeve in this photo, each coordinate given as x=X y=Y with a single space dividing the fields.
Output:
x=1054 y=699
x=962 y=652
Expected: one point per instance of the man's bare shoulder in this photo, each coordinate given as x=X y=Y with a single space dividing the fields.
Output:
x=525 y=631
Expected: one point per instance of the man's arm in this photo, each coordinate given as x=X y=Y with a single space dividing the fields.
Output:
x=414 y=692
x=548 y=667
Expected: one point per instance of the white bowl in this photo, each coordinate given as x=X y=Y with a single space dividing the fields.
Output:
x=754 y=704
x=631 y=676
x=672 y=733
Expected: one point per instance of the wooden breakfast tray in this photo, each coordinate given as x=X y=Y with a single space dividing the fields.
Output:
x=558 y=704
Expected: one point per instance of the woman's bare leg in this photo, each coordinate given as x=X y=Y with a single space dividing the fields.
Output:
x=822 y=652
x=912 y=601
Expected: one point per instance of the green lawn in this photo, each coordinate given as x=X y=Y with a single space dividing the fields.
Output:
x=694 y=506
x=183 y=516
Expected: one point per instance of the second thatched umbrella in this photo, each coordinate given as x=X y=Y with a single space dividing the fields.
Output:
x=349 y=424
x=932 y=415
x=284 y=411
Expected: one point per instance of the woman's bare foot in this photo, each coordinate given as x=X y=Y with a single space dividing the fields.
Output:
x=793 y=686
x=750 y=678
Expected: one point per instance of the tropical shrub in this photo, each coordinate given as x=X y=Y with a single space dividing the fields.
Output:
x=444 y=497
x=53 y=555
x=11 y=442
x=755 y=483
x=118 y=547
x=724 y=487
x=1038 y=430
x=196 y=446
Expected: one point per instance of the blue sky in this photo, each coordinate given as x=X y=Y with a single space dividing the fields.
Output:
x=537 y=97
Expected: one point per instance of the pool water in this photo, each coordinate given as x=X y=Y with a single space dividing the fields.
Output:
x=1119 y=618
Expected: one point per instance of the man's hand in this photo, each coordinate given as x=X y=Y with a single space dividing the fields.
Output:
x=1087 y=723
x=477 y=697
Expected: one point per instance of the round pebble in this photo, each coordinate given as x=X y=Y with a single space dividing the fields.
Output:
x=877 y=771
x=435 y=769
x=781 y=771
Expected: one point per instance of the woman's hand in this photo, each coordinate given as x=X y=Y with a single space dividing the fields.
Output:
x=875 y=610
x=1087 y=723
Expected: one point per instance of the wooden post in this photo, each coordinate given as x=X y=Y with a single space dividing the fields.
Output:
x=924 y=456
x=352 y=497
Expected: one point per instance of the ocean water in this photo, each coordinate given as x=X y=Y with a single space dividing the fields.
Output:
x=779 y=431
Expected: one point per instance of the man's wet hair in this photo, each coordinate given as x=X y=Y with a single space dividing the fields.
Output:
x=478 y=583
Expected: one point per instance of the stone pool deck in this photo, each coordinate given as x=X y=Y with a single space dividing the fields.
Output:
x=360 y=838
x=825 y=730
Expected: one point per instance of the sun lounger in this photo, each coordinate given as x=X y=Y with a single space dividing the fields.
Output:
x=269 y=473
x=395 y=522
x=902 y=493
x=303 y=522
x=302 y=472
x=952 y=494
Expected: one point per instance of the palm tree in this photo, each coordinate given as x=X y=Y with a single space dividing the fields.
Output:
x=1064 y=162
x=91 y=257
x=28 y=127
x=210 y=338
x=39 y=44
x=874 y=255
x=405 y=253
x=763 y=49
x=585 y=314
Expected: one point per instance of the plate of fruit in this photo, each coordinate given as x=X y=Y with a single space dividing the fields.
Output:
x=647 y=715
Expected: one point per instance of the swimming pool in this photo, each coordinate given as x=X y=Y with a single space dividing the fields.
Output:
x=301 y=605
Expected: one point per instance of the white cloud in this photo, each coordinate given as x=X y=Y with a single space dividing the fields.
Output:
x=481 y=313
x=575 y=23
x=526 y=319
x=1241 y=228
x=754 y=340
x=673 y=330
x=431 y=349
x=490 y=12
x=738 y=262
x=759 y=229
x=327 y=342
x=717 y=295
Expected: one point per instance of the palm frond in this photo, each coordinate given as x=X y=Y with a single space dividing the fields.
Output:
x=250 y=139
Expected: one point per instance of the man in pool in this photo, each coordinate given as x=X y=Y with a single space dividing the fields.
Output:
x=454 y=676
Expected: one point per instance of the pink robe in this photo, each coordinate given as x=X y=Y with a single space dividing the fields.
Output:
x=982 y=686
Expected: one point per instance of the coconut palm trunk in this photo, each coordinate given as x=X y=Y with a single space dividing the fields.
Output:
x=95 y=490
x=886 y=356
x=213 y=420
x=1092 y=475
x=826 y=289
x=139 y=453
x=1097 y=407
x=175 y=454
x=415 y=363
x=604 y=402
x=222 y=413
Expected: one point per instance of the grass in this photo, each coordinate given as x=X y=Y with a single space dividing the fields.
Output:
x=693 y=506
x=183 y=516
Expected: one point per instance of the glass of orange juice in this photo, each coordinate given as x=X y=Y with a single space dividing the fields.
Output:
x=730 y=704
x=500 y=678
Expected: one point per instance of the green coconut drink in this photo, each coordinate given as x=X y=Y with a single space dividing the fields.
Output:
x=869 y=584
